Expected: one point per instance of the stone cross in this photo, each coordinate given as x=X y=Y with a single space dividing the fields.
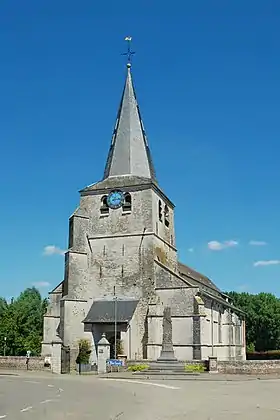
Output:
x=167 y=351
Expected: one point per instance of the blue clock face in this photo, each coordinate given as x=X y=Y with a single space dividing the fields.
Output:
x=115 y=199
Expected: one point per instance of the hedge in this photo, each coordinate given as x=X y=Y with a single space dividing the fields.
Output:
x=263 y=355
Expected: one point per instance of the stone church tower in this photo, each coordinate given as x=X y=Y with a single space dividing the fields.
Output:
x=121 y=264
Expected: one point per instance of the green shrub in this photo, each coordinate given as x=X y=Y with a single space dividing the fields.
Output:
x=84 y=352
x=196 y=367
x=120 y=349
x=250 y=348
x=137 y=368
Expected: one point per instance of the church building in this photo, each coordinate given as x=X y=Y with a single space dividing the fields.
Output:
x=122 y=270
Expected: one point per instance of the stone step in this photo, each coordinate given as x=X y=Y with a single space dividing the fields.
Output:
x=166 y=366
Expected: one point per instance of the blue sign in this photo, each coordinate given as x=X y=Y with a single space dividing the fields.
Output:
x=115 y=362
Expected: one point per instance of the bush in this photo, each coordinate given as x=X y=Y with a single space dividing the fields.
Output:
x=250 y=348
x=120 y=349
x=84 y=352
x=196 y=367
x=137 y=368
x=264 y=355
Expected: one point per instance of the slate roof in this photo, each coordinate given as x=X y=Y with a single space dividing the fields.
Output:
x=103 y=311
x=57 y=289
x=198 y=279
x=221 y=299
x=117 y=182
x=129 y=153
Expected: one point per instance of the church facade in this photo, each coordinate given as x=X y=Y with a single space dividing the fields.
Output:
x=122 y=270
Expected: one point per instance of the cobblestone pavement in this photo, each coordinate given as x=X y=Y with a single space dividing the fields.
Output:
x=47 y=397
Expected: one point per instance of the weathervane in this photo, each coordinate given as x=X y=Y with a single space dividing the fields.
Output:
x=129 y=53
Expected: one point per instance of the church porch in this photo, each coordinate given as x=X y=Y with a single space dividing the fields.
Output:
x=112 y=317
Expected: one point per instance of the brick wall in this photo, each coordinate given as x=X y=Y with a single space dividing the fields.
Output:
x=257 y=367
x=19 y=363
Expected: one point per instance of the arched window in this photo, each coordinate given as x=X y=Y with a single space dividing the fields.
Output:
x=127 y=203
x=166 y=216
x=104 y=209
x=160 y=211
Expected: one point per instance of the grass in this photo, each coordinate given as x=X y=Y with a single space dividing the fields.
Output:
x=196 y=367
x=137 y=368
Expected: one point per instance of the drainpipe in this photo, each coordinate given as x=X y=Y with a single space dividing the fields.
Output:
x=212 y=329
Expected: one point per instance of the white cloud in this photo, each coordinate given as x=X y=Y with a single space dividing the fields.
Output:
x=52 y=250
x=266 y=262
x=230 y=243
x=218 y=246
x=190 y=249
x=41 y=284
x=242 y=287
x=257 y=243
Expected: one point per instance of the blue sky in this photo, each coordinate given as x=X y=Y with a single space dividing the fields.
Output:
x=208 y=84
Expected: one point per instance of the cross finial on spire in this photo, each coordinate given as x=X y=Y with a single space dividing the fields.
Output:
x=129 y=53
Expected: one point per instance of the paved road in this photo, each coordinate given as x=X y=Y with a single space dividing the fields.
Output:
x=31 y=396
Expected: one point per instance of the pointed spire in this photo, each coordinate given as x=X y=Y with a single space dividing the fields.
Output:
x=129 y=153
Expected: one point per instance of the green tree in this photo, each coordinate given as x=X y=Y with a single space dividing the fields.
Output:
x=84 y=351
x=262 y=319
x=3 y=306
x=21 y=322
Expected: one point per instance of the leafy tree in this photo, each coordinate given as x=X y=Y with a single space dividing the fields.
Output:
x=3 y=305
x=21 y=322
x=84 y=351
x=262 y=319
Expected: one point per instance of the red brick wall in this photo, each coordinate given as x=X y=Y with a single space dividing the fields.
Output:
x=19 y=363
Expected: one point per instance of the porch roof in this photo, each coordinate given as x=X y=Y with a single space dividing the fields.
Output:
x=103 y=311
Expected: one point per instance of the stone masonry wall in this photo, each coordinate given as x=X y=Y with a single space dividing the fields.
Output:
x=19 y=363
x=249 y=367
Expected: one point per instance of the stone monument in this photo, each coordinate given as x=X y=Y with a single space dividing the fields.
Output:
x=167 y=351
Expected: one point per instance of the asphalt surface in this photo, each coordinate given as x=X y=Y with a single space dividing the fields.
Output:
x=48 y=397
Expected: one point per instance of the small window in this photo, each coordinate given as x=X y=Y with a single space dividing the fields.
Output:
x=220 y=327
x=238 y=332
x=127 y=202
x=160 y=211
x=166 y=216
x=104 y=209
x=71 y=226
